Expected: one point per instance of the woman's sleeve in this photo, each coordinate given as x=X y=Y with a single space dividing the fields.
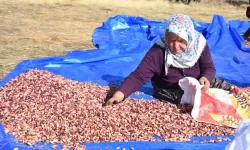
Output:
x=206 y=64
x=150 y=64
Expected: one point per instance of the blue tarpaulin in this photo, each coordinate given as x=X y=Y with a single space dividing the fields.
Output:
x=121 y=43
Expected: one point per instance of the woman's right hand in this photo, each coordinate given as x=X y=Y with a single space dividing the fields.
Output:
x=117 y=98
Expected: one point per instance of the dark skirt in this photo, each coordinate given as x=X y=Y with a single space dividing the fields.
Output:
x=174 y=95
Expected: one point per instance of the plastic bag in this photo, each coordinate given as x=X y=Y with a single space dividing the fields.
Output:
x=241 y=101
x=242 y=137
x=192 y=90
x=215 y=106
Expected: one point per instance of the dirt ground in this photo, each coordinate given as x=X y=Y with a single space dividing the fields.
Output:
x=39 y=28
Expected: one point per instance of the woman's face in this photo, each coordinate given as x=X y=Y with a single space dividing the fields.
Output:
x=175 y=43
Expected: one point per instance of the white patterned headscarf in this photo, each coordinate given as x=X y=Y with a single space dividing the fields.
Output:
x=182 y=26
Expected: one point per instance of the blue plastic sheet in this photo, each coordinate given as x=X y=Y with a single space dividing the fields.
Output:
x=121 y=43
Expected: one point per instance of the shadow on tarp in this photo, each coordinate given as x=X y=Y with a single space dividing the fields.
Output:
x=117 y=80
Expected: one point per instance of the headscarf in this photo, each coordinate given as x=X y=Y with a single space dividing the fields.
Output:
x=182 y=26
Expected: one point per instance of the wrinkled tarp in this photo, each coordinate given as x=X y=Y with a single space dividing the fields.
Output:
x=121 y=43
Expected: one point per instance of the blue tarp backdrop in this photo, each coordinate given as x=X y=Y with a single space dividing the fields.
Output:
x=121 y=43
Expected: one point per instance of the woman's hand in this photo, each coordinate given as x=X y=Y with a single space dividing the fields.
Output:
x=117 y=98
x=204 y=81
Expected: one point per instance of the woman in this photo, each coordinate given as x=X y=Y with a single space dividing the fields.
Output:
x=248 y=12
x=181 y=52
